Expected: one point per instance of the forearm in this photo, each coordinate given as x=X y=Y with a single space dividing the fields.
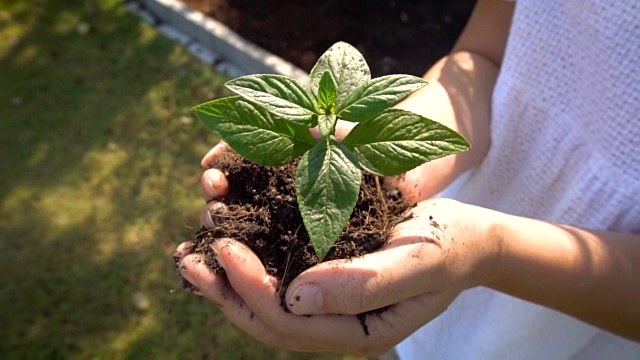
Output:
x=459 y=96
x=593 y=276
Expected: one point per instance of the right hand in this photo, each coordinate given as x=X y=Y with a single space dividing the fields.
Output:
x=420 y=272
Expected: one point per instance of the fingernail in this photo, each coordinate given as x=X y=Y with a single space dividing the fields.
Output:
x=217 y=184
x=206 y=187
x=183 y=250
x=306 y=300
x=205 y=218
x=212 y=213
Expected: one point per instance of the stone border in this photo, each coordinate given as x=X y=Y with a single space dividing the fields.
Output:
x=211 y=41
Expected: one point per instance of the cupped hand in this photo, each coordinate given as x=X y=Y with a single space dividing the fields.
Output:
x=249 y=298
x=445 y=248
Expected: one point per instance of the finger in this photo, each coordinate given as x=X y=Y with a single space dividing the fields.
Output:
x=410 y=267
x=212 y=213
x=338 y=333
x=259 y=290
x=213 y=183
x=385 y=329
x=248 y=277
x=217 y=290
x=209 y=159
x=183 y=250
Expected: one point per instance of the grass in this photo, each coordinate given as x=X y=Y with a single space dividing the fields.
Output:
x=99 y=174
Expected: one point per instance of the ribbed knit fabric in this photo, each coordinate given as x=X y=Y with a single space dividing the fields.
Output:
x=565 y=148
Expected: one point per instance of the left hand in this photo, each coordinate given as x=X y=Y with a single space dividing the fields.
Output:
x=444 y=249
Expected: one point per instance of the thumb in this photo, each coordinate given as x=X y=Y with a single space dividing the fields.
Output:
x=334 y=289
x=357 y=285
x=328 y=288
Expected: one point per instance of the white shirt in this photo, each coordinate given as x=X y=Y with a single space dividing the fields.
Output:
x=565 y=148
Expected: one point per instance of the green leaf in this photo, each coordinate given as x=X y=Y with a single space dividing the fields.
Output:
x=327 y=93
x=253 y=132
x=396 y=141
x=327 y=125
x=347 y=66
x=376 y=95
x=327 y=187
x=282 y=96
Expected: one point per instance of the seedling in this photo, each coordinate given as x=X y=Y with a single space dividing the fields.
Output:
x=269 y=119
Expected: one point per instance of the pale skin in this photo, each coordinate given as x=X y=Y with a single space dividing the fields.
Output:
x=445 y=248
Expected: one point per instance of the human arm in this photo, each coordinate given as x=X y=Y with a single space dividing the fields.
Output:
x=459 y=96
x=591 y=275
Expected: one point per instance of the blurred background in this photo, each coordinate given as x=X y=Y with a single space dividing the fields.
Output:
x=99 y=173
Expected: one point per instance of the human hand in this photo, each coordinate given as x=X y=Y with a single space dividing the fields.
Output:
x=425 y=265
x=445 y=248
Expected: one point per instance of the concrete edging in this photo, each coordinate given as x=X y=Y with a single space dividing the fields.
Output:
x=211 y=41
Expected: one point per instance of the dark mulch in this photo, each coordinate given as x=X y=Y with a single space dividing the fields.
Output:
x=395 y=36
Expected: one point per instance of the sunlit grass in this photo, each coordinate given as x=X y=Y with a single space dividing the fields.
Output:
x=99 y=175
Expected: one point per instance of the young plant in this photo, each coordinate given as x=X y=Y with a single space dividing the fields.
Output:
x=268 y=123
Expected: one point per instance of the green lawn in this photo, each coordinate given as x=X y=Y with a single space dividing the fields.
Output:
x=99 y=174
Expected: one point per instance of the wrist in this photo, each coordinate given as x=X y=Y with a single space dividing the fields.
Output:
x=492 y=247
x=472 y=240
x=532 y=257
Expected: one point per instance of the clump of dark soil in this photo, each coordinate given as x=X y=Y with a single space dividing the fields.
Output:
x=395 y=36
x=262 y=212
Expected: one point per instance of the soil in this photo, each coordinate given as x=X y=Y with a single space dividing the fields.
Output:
x=262 y=212
x=395 y=36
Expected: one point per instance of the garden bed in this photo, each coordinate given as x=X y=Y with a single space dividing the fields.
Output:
x=396 y=36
